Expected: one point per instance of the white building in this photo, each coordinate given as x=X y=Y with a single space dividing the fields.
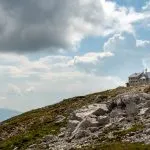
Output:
x=142 y=78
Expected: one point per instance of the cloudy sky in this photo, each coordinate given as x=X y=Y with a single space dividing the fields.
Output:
x=55 y=49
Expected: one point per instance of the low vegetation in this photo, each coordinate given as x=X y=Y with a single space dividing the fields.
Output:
x=117 y=146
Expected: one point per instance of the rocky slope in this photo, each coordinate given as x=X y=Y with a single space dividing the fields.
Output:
x=113 y=119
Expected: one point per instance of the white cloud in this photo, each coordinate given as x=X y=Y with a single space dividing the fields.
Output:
x=91 y=57
x=30 y=90
x=14 y=90
x=147 y=6
x=120 y=42
x=142 y=43
x=55 y=78
x=53 y=25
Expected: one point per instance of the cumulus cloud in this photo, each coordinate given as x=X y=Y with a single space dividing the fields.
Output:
x=125 y=42
x=128 y=52
x=119 y=42
x=33 y=25
x=91 y=57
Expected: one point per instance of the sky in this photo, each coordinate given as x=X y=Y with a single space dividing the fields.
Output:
x=54 y=49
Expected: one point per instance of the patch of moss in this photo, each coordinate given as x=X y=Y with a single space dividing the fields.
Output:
x=117 y=146
x=134 y=128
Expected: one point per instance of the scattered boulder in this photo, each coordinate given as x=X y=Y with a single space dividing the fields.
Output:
x=103 y=120
x=101 y=110
x=96 y=109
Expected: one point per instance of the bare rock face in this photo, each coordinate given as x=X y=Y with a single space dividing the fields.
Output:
x=50 y=138
x=81 y=134
x=102 y=110
x=87 y=117
x=95 y=109
x=103 y=120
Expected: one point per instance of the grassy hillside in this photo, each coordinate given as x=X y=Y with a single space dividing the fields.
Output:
x=29 y=127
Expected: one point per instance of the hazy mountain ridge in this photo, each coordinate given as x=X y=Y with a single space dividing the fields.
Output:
x=63 y=125
x=7 y=113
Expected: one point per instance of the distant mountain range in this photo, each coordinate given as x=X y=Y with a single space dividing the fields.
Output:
x=7 y=113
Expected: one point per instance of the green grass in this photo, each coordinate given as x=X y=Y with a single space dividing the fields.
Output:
x=25 y=139
x=117 y=146
x=134 y=128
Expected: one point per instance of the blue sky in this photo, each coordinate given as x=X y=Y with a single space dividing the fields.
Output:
x=51 y=50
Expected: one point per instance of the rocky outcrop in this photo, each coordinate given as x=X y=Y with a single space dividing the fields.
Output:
x=125 y=117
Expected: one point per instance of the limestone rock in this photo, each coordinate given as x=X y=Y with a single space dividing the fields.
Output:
x=101 y=110
x=103 y=120
x=96 y=109
x=50 y=138
x=60 y=119
x=144 y=111
x=81 y=133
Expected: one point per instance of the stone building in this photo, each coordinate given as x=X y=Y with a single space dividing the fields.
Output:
x=142 y=78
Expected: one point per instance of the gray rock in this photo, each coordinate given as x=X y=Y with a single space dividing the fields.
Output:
x=93 y=129
x=145 y=95
x=147 y=131
x=33 y=146
x=43 y=145
x=96 y=109
x=61 y=135
x=60 y=119
x=101 y=110
x=103 y=120
x=72 y=124
x=131 y=109
x=81 y=133
x=144 y=111
x=147 y=104
x=62 y=129
x=50 y=139
x=90 y=121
